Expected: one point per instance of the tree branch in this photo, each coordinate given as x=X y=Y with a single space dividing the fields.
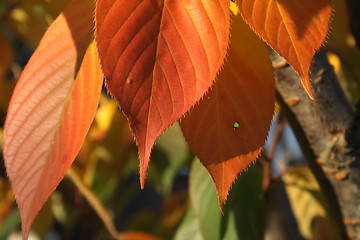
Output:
x=321 y=129
x=95 y=204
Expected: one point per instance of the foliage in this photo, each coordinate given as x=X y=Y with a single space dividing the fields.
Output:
x=200 y=63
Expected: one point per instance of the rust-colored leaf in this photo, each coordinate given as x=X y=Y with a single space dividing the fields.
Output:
x=50 y=111
x=293 y=28
x=159 y=58
x=138 y=236
x=227 y=129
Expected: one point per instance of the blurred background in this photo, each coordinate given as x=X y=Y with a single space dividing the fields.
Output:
x=276 y=198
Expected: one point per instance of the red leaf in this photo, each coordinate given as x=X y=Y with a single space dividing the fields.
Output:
x=293 y=28
x=159 y=57
x=50 y=112
x=227 y=129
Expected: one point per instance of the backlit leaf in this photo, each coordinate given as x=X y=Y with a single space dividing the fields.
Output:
x=307 y=204
x=293 y=28
x=229 y=126
x=203 y=201
x=50 y=113
x=159 y=58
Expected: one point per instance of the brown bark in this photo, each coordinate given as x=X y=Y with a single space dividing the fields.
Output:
x=328 y=132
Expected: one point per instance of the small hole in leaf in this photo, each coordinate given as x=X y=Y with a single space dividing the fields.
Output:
x=236 y=125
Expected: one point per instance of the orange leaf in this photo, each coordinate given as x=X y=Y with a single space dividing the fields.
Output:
x=50 y=112
x=229 y=126
x=138 y=236
x=293 y=28
x=159 y=58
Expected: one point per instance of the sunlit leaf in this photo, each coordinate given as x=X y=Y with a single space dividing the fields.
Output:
x=308 y=205
x=293 y=28
x=227 y=129
x=50 y=113
x=159 y=58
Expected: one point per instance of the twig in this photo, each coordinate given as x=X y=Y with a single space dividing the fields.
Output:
x=95 y=204
x=277 y=137
x=266 y=165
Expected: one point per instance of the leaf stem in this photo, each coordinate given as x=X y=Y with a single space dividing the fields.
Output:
x=95 y=204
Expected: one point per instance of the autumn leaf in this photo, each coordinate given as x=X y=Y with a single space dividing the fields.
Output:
x=159 y=58
x=50 y=113
x=138 y=236
x=227 y=129
x=293 y=28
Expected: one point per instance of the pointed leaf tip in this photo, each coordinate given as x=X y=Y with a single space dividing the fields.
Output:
x=293 y=28
x=228 y=127
x=159 y=57
x=307 y=86
x=143 y=170
x=47 y=121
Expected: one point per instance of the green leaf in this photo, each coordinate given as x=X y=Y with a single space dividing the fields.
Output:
x=243 y=216
x=11 y=223
x=189 y=228
x=245 y=207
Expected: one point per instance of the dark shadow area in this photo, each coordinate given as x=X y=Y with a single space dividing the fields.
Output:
x=303 y=12
x=354 y=13
x=280 y=222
